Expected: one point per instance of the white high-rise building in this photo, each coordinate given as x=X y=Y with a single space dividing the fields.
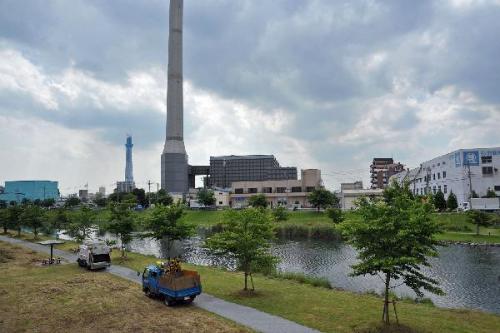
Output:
x=462 y=172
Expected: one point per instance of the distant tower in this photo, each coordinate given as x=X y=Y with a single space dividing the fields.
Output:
x=129 y=169
x=174 y=161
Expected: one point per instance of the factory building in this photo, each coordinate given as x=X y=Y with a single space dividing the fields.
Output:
x=225 y=170
x=463 y=172
x=30 y=190
x=291 y=193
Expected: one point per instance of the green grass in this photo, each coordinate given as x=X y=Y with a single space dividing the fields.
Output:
x=321 y=308
x=66 y=298
x=325 y=309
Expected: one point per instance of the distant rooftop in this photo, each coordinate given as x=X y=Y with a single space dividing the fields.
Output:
x=241 y=157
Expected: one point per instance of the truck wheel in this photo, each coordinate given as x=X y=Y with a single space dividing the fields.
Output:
x=190 y=300
x=148 y=293
x=169 y=301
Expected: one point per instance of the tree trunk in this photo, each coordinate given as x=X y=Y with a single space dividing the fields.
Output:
x=19 y=232
x=385 y=313
x=4 y=229
x=246 y=281
x=477 y=229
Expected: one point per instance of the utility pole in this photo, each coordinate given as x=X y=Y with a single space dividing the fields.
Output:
x=470 y=184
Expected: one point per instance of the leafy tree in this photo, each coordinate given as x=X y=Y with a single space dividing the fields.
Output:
x=335 y=214
x=452 y=203
x=490 y=193
x=48 y=202
x=257 y=201
x=164 y=224
x=479 y=218
x=280 y=213
x=59 y=220
x=14 y=214
x=163 y=198
x=439 y=201
x=206 y=197
x=5 y=220
x=34 y=217
x=3 y=204
x=395 y=238
x=474 y=194
x=322 y=198
x=245 y=237
x=81 y=224
x=140 y=194
x=121 y=223
x=72 y=202
x=101 y=201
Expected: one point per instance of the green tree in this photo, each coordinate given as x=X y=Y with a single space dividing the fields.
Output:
x=101 y=201
x=14 y=214
x=206 y=197
x=59 y=220
x=439 y=201
x=395 y=238
x=72 y=202
x=163 y=198
x=5 y=220
x=245 y=237
x=335 y=214
x=34 y=217
x=280 y=214
x=322 y=198
x=140 y=194
x=479 y=218
x=257 y=201
x=474 y=194
x=164 y=224
x=121 y=223
x=452 y=203
x=490 y=193
x=81 y=224
x=48 y=202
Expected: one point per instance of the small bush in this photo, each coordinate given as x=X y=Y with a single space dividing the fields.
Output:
x=305 y=279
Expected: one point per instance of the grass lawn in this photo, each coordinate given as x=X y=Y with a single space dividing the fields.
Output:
x=66 y=298
x=324 y=309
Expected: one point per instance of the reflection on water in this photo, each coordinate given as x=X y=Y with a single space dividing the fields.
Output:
x=470 y=276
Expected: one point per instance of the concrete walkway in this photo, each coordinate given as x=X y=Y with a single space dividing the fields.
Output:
x=244 y=315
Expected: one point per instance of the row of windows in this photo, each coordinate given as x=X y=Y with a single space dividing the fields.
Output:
x=253 y=190
x=435 y=189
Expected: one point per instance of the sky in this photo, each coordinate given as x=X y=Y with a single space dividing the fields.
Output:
x=320 y=84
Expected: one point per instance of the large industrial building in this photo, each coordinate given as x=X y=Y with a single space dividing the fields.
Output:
x=30 y=190
x=462 y=172
x=381 y=170
x=224 y=170
x=286 y=192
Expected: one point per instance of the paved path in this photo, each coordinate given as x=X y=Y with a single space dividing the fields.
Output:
x=244 y=315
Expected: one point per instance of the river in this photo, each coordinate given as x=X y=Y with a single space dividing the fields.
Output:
x=470 y=276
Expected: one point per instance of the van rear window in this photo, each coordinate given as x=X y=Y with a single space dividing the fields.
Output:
x=101 y=257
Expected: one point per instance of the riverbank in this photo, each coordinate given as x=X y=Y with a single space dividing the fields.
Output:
x=321 y=308
x=45 y=299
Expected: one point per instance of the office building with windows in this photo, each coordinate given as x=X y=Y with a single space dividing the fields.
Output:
x=30 y=190
x=463 y=172
x=225 y=170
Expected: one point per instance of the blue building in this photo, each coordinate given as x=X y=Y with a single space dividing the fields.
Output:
x=29 y=189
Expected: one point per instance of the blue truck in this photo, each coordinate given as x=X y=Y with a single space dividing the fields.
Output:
x=179 y=287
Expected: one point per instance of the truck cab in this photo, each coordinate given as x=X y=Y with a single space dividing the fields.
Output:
x=94 y=255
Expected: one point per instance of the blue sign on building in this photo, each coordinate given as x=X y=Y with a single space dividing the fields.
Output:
x=471 y=157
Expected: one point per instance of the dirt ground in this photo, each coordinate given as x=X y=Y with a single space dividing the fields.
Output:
x=66 y=298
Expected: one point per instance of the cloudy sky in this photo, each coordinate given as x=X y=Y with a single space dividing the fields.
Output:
x=320 y=84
